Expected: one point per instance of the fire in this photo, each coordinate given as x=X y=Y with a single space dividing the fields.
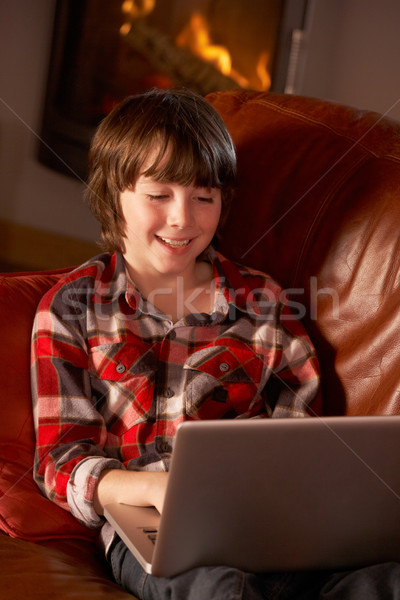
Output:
x=262 y=71
x=136 y=9
x=196 y=37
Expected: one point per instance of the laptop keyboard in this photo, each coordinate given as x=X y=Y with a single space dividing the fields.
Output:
x=151 y=533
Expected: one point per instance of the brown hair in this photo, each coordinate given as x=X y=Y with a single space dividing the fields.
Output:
x=200 y=150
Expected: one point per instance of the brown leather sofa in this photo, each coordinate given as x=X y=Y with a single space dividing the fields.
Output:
x=318 y=207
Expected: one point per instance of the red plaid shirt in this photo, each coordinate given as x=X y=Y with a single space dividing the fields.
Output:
x=113 y=377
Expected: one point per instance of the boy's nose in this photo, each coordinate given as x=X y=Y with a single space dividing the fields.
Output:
x=180 y=213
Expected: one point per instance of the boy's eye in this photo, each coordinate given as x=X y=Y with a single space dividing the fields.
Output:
x=157 y=196
x=208 y=199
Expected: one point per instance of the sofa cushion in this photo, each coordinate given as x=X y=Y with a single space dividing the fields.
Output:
x=24 y=511
x=55 y=570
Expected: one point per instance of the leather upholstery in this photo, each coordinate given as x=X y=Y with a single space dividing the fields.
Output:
x=318 y=207
x=19 y=296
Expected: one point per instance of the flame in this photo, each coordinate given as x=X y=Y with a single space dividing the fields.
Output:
x=196 y=37
x=262 y=71
x=125 y=28
x=139 y=9
x=134 y=9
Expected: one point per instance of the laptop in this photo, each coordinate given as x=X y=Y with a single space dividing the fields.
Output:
x=273 y=495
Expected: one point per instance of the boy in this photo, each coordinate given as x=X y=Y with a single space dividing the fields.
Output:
x=144 y=336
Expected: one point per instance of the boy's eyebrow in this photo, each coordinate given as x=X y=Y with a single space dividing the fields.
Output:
x=149 y=179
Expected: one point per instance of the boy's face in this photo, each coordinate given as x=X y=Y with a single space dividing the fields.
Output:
x=168 y=226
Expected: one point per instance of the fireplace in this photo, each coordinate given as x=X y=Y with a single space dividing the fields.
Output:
x=104 y=50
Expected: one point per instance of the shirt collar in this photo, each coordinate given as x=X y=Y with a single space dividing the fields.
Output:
x=231 y=288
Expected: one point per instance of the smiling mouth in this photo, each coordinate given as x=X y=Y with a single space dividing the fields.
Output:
x=173 y=243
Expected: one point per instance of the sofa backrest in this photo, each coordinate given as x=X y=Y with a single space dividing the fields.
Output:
x=318 y=207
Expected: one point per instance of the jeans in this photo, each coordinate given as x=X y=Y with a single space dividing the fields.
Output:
x=377 y=582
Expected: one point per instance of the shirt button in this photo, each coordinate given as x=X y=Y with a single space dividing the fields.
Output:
x=165 y=447
x=169 y=393
x=121 y=368
x=224 y=367
x=172 y=334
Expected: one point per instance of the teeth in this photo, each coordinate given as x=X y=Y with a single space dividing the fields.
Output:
x=175 y=243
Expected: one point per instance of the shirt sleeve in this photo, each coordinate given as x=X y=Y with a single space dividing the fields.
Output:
x=295 y=382
x=70 y=431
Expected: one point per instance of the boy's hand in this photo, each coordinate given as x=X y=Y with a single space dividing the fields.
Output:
x=137 y=488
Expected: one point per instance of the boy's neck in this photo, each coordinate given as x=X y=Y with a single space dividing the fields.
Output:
x=178 y=295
